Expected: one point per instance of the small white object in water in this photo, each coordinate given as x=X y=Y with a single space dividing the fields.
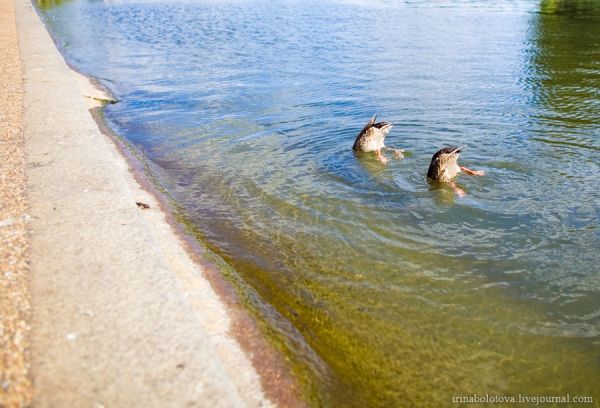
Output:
x=72 y=336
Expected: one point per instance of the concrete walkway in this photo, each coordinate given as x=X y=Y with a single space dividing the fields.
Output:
x=15 y=383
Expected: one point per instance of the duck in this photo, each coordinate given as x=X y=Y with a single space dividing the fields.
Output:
x=372 y=139
x=444 y=167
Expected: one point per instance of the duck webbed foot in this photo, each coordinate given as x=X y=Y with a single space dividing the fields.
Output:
x=381 y=157
x=398 y=153
x=472 y=172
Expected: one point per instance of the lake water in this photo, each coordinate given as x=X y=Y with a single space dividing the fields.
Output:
x=380 y=289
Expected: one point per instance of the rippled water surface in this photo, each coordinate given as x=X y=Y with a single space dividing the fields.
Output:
x=381 y=289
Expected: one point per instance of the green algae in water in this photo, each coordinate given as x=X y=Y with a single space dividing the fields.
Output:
x=48 y=4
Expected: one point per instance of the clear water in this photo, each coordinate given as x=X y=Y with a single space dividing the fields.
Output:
x=382 y=290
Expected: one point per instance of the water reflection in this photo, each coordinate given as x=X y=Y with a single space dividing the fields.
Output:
x=570 y=7
x=565 y=60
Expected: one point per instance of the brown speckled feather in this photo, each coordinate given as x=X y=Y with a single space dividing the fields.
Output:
x=372 y=136
x=444 y=164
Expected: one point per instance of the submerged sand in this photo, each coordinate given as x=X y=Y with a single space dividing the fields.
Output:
x=15 y=384
x=121 y=315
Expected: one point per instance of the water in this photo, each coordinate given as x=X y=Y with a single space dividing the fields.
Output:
x=382 y=290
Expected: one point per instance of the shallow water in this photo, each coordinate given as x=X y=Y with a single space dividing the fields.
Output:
x=382 y=289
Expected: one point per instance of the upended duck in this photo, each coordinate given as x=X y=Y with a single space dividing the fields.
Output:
x=372 y=137
x=444 y=167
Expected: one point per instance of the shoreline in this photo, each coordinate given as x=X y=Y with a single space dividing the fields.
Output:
x=278 y=381
x=96 y=285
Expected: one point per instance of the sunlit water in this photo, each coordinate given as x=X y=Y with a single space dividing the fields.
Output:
x=384 y=290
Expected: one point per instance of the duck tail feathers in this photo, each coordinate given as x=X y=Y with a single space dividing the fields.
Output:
x=369 y=124
x=386 y=127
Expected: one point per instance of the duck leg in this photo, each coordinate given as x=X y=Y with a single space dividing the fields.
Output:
x=472 y=172
x=381 y=157
x=459 y=191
